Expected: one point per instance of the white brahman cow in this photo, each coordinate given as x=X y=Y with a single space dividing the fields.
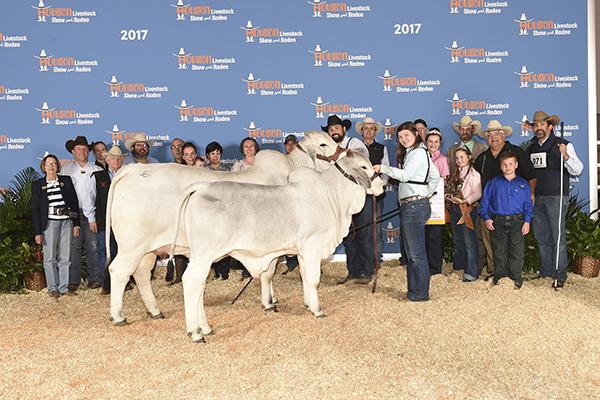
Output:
x=144 y=199
x=309 y=216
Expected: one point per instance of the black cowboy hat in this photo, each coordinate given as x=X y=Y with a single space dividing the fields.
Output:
x=78 y=140
x=335 y=120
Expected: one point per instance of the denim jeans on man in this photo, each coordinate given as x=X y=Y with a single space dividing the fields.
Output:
x=87 y=238
x=545 y=230
x=359 y=247
x=57 y=247
x=413 y=216
x=509 y=247
x=466 y=249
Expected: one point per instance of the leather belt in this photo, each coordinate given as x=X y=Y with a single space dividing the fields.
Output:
x=410 y=199
x=58 y=210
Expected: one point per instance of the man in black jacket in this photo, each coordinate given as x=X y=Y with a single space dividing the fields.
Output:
x=114 y=161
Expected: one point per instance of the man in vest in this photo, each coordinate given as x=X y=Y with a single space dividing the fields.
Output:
x=102 y=179
x=545 y=152
x=378 y=154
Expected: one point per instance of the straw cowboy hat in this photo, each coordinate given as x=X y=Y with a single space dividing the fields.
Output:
x=542 y=116
x=115 y=151
x=495 y=125
x=82 y=140
x=139 y=137
x=368 y=120
x=467 y=121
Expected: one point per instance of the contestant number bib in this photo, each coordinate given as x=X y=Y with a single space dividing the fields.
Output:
x=539 y=160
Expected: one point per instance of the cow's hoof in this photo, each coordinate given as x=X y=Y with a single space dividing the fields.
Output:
x=122 y=322
x=274 y=300
x=210 y=333
x=272 y=309
x=198 y=338
x=319 y=314
x=157 y=316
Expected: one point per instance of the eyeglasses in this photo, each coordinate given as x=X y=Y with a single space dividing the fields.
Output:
x=176 y=146
x=140 y=145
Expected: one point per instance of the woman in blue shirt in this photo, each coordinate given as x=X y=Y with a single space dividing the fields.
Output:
x=418 y=177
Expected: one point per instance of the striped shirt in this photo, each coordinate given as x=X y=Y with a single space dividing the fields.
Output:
x=55 y=199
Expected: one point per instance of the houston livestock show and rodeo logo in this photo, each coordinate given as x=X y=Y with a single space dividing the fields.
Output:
x=271 y=87
x=407 y=84
x=202 y=62
x=65 y=116
x=63 y=64
x=205 y=114
x=344 y=110
x=45 y=12
x=529 y=78
x=543 y=27
x=134 y=90
x=269 y=135
x=322 y=57
x=10 y=142
x=476 y=107
x=269 y=35
x=201 y=12
x=10 y=41
x=8 y=93
x=477 y=7
x=475 y=55
x=337 y=10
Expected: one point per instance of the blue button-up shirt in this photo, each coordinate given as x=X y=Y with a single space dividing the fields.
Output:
x=504 y=197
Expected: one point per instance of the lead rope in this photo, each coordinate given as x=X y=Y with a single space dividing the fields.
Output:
x=375 y=244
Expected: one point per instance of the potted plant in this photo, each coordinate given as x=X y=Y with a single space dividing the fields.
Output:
x=17 y=256
x=583 y=242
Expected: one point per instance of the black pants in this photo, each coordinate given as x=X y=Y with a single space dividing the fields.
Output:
x=433 y=243
x=222 y=267
x=508 y=245
x=359 y=246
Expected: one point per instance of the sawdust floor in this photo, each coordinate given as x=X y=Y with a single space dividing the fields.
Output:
x=471 y=341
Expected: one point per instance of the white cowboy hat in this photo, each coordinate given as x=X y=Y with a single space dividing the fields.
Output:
x=139 y=137
x=495 y=125
x=368 y=120
x=467 y=121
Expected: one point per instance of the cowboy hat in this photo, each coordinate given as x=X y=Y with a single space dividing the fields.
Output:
x=467 y=121
x=139 y=137
x=495 y=125
x=79 y=140
x=542 y=116
x=368 y=120
x=115 y=151
x=335 y=120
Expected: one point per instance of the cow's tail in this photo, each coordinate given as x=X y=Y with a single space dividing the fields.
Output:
x=182 y=207
x=111 y=193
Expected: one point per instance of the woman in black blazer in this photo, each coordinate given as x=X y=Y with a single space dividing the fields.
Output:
x=55 y=218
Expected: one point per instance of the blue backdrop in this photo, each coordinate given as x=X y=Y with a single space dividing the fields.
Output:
x=221 y=70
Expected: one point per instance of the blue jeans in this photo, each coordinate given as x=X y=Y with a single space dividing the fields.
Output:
x=57 y=247
x=545 y=230
x=360 y=257
x=87 y=239
x=466 y=251
x=413 y=216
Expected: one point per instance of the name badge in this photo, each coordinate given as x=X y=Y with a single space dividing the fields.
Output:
x=538 y=160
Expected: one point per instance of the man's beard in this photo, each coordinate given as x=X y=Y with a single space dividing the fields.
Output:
x=465 y=137
x=540 y=133
x=337 y=137
x=136 y=154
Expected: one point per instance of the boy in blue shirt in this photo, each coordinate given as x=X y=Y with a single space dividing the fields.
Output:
x=507 y=211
